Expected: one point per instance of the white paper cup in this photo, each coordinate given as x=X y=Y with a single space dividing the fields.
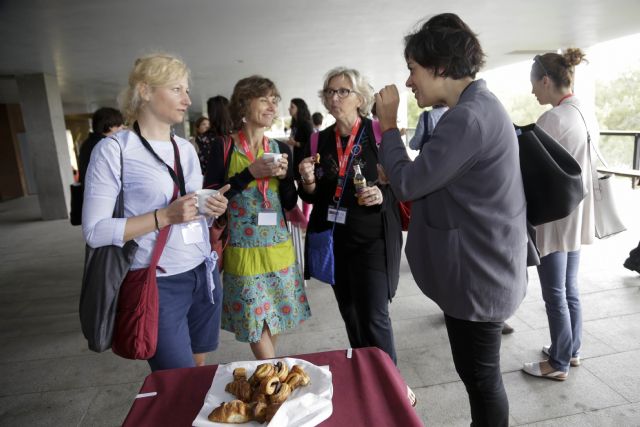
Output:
x=272 y=157
x=202 y=196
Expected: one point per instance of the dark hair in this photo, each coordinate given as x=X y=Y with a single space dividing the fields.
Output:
x=219 y=118
x=246 y=90
x=198 y=122
x=446 y=45
x=105 y=118
x=317 y=118
x=303 y=114
x=559 y=68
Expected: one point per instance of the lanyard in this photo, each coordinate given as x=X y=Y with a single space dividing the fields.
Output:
x=262 y=183
x=569 y=95
x=178 y=178
x=343 y=158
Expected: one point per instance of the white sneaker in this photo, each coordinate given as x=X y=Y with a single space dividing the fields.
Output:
x=574 y=361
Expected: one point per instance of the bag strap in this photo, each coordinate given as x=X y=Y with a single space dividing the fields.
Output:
x=118 y=209
x=594 y=169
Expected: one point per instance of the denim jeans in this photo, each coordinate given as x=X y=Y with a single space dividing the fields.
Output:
x=475 y=347
x=558 y=273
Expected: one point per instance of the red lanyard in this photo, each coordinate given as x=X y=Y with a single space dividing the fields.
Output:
x=343 y=158
x=263 y=183
x=569 y=95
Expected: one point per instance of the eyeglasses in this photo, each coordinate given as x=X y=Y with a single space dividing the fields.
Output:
x=342 y=92
x=538 y=59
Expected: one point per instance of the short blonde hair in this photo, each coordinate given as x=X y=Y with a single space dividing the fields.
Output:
x=154 y=70
x=359 y=83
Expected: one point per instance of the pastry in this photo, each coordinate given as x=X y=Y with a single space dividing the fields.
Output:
x=263 y=371
x=271 y=411
x=240 y=389
x=299 y=370
x=281 y=393
x=282 y=370
x=259 y=412
x=294 y=380
x=268 y=385
x=234 y=412
x=240 y=373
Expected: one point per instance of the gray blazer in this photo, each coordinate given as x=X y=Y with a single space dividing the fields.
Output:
x=467 y=241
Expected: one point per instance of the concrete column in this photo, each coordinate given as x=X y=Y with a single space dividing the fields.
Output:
x=44 y=123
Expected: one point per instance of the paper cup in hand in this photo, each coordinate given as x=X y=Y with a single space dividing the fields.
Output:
x=272 y=157
x=202 y=196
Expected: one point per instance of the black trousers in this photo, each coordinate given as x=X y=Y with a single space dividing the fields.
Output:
x=362 y=293
x=475 y=347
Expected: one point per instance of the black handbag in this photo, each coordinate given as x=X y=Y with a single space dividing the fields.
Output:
x=77 y=196
x=552 y=178
x=104 y=270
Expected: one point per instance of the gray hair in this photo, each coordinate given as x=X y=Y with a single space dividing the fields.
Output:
x=359 y=83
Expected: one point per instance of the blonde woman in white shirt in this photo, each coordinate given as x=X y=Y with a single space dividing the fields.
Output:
x=559 y=241
x=189 y=287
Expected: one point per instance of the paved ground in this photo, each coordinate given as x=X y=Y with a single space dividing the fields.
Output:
x=48 y=377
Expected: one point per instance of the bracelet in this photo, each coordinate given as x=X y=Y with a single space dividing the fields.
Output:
x=155 y=217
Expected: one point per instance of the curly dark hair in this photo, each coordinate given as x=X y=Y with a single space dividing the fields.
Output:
x=446 y=45
x=246 y=90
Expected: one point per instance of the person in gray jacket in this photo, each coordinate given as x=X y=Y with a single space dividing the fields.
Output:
x=467 y=239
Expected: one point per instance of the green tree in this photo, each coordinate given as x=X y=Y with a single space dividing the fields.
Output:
x=618 y=102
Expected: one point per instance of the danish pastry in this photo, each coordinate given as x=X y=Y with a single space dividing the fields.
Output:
x=263 y=371
x=268 y=385
x=259 y=412
x=281 y=393
x=294 y=380
x=234 y=412
x=282 y=370
x=300 y=370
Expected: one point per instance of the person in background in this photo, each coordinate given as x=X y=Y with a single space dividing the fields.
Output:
x=367 y=235
x=189 y=286
x=104 y=122
x=219 y=127
x=264 y=293
x=201 y=125
x=426 y=125
x=317 y=119
x=467 y=240
x=633 y=261
x=301 y=130
x=559 y=241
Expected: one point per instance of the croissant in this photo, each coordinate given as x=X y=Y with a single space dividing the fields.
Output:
x=282 y=370
x=281 y=393
x=268 y=385
x=240 y=389
x=271 y=411
x=300 y=370
x=239 y=373
x=234 y=412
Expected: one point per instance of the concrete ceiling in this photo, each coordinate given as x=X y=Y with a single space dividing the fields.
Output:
x=90 y=45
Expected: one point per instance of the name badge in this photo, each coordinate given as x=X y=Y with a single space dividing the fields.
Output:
x=267 y=218
x=338 y=216
x=192 y=233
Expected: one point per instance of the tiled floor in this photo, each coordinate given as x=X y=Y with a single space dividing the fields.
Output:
x=48 y=377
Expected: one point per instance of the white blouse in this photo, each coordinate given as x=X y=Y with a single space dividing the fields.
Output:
x=565 y=124
x=147 y=186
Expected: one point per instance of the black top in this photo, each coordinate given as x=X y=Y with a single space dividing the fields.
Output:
x=85 y=153
x=301 y=133
x=364 y=224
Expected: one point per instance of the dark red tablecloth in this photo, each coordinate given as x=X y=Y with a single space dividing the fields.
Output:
x=368 y=390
